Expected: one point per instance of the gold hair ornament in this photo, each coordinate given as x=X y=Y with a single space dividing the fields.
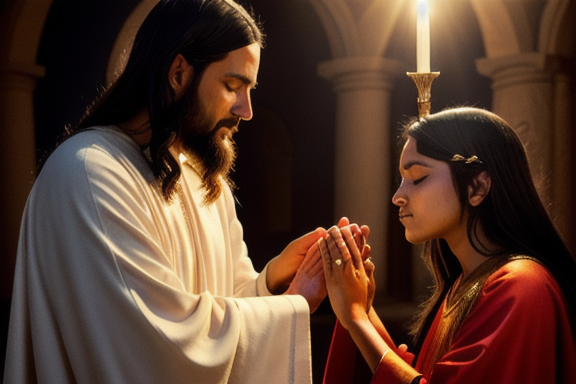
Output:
x=473 y=159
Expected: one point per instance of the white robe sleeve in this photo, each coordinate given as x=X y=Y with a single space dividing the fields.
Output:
x=101 y=294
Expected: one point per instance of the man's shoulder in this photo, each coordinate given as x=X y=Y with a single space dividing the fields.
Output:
x=92 y=152
x=108 y=139
x=80 y=147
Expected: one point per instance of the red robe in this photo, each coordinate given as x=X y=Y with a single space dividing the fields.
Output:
x=518 y=332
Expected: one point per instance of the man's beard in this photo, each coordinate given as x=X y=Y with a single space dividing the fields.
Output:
x=211 y=145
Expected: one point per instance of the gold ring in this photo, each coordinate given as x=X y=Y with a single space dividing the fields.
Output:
x=338 y=262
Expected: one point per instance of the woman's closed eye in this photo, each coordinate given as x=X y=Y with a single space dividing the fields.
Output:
x=418 y=181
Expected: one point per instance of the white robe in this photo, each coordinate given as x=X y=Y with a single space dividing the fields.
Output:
x=115 y=285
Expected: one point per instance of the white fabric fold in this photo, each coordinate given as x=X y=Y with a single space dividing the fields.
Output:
x=115 y=285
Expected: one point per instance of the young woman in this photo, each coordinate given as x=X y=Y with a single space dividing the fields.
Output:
x=503 y=307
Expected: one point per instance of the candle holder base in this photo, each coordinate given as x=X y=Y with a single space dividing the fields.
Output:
x=423 y=83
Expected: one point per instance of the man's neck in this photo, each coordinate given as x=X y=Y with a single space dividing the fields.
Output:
x=138 y=128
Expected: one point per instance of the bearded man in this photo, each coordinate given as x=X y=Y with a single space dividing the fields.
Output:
x=131 y=265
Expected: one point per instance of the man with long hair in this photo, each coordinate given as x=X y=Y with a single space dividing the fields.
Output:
x=131 y=265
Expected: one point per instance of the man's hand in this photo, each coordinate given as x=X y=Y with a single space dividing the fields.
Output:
x=309 y=280
x=282 y=269
x=298 y=269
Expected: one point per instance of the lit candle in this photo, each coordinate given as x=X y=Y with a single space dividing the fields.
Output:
x=423 y=38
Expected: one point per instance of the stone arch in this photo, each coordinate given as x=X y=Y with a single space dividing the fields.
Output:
x=510 y=28
x=505 y=27
x=348 y=26
x=557 y=28
x=125 y=38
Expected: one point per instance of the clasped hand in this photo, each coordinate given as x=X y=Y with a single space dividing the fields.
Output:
x=348 y=271
x=301 y=269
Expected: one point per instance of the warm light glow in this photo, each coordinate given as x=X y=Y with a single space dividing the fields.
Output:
x=423 y=37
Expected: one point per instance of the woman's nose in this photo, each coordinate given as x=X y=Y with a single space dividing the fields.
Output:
x=399 y=199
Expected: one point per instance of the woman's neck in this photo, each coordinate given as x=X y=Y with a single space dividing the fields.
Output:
x=468 y=256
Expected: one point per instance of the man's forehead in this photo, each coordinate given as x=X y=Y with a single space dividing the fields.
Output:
x=241 y=64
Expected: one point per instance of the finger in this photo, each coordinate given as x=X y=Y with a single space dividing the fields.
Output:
x=337 y=249
x=365 y=235
x=365 y=231
x=337 y=245
x=326 y=260
x=315 y=263
x=361 y=235
x=343 y=222
x=358 y=236
x=347 y=234
x=366 y=252
x=354 y=228
x=312 y=257
x=369 y=268
x=304 y=242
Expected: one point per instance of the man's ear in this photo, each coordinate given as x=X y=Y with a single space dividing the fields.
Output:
x=180 y=76
x=479 y=188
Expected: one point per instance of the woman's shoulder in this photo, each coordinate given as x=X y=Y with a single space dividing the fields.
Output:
x=523 y=266
x=523 y=277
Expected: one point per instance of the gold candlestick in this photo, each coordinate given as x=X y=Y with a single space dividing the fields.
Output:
x=423 y=82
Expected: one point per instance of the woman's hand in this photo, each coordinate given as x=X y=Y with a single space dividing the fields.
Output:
x=350 y=285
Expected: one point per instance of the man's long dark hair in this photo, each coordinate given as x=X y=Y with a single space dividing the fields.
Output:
x=511 y=215
x=203 y=31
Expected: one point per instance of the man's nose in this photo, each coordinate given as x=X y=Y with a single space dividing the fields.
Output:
x=243 y=106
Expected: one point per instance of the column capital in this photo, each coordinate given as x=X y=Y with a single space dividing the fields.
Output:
x=354 y=73
x=511 y=70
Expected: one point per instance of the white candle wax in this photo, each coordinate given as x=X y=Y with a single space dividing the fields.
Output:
x=423 y=37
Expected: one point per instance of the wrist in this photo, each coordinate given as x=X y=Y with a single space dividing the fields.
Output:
x=279 y=275
x=357 y=320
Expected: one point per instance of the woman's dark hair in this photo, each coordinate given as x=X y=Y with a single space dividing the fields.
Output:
x=512 y=214
x=203 y=31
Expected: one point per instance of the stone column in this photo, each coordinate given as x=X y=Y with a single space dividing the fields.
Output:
x=532 y=93
x=17 y=157
x=362 y=146
x=563 y=158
